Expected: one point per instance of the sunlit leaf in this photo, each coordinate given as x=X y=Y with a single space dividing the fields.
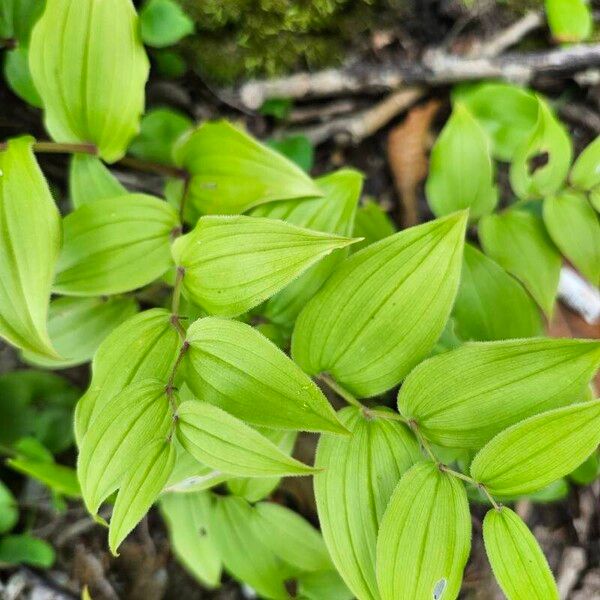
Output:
x=464 y=397
x=383 y=309
x=29 y=248
x=425 y=537
x=115 y=245
x=223 y=442
x=92 y=86
x=164 y=23
x=234 y=263
x=360 y=474
x=323 y=584
x=189 y=519
x=232 y=172
x=585 y=174
x=462 y=147
x=518 y=241
x=232 y=365
x=533 y=453
x=90 y=180
x=517 y=560
x=574 y=227
x=569 y=21
x=491 y=304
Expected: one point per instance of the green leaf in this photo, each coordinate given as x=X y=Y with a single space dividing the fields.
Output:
x=533 y=453
x=18 y=77
x=462 y=148
x=232 y=172
x=9 y=512
x=465 y=397
x=144 y=346
x=29 y=248
x=115 y=245
x=360 y=474
x=279 y=108
x=26 y=549
x=160 y=129
x=323 y=584
x=90 y=180
x=425 y=537
x=92 y=86
x=574 y=227
x=490 y=304
x=382 y=310
x=163 y=23
x=140 y=488
x=291 y=537
x=243 y=549
x=507 y=113
x=58 y=478
x=189 y=520
x=371 y=223
x=517 y=560
x=297 y=148
x=111 y=448
x=595 y=198
x=223 y=442
x=234 y=263
x=232 y=365
x=77 y=326
x=517 y=241
x=169 y=63
x=333 y=213
x=587 y=472
x=17 y=17
x=585 y=174
x=569 y=20
x=254 y=489
x=541 y=163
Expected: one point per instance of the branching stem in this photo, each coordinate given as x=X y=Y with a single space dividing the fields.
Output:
x=341 y=392
x=473 y=482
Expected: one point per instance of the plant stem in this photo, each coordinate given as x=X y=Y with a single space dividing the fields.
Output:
x=170 y=387
x=177 y=290
x=340 y=391
x=147 y=166
x=424 y=443
x=184 y=196
x=473 y=482
x=390 y=416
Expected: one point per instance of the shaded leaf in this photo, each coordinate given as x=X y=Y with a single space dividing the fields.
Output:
x=58 y=478
x=90 y=180
x=29 y=248
x=371 y=223
x=425 y=536
x=585 y=174
x=383 y=309
x=232 y=365
x=164 y=23
x=232 y=172
x=297 y=148
x=360 y=474
x=533 y=453
x=517 y=240
x=9 y=512
x=18 y=77
x=92 y=86
x=323 y=584
x=26 y=549
x=517 y=560
x=464 y=397
x=17 y=18
x=115 y=245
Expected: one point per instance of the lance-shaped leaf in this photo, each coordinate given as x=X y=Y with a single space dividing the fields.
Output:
x=334 y=213
x=533 y=453
x=507 y=113
x=491 y=304
x=29 y=247
x=518 y=241
x=77 y=327
x=230 y=364
x=425 y=537
x=143 y=347
x=585 y=174
x=243 y=549
x=115 y=245
x=574 y=227
x=292 y=538
x=234 y=263
x=464 y=397
x=232 y=172
x=90 y=180
x=140 y=488
x=517 y=560
x=223 y=442
x=189 y=520
x=254 y=489
x=541 y=163
x=111 y=448
x=462 y=147
x=383 y=309
x=360 y=474
x=90 y=68
x=569 y=21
